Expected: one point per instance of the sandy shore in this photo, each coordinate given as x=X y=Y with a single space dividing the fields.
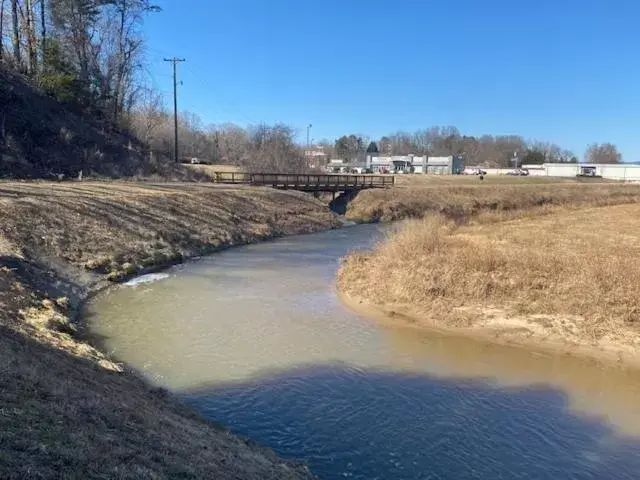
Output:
x=511 y=332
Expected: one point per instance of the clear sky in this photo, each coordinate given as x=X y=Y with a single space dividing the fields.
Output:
x=566 y=71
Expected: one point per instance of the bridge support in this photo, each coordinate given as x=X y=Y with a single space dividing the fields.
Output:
x=339 y=205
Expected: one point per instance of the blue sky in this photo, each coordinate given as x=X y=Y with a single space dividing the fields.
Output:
x=566 y=71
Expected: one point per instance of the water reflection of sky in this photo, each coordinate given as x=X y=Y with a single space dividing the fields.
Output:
x=364 y=424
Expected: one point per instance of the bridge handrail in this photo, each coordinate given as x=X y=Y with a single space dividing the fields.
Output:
x=305 y=179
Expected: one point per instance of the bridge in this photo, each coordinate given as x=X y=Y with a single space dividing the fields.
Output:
x=314 y=183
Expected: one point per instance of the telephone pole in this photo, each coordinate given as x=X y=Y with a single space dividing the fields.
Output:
x=175 y=62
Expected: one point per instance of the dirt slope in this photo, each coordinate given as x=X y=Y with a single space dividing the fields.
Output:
x=40 y=137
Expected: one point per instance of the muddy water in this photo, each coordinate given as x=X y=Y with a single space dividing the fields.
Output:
x=256 y=338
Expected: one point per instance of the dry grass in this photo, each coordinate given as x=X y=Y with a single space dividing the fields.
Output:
x=123 y=228
x=417 y=180
x=211 y=169
x=570 y=276
x=66 y=410
x=463 y=200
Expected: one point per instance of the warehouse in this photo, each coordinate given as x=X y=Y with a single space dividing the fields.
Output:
x=618 y=171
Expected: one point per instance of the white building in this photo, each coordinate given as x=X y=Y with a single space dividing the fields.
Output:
x=414 y=164
x=617 y=171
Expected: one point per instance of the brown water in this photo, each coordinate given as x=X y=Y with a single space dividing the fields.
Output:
x=256 y=338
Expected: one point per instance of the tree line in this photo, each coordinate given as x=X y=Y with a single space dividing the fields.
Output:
x=256 y=147
x=487 y=150
x=86 y=53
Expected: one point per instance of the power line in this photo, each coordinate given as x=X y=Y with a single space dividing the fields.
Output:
x=175 y=62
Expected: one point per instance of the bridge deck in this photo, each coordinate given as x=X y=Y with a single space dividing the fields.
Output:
x=307 y=182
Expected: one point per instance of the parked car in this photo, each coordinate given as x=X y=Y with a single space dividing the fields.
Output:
x=474 y=171
x=519 y=172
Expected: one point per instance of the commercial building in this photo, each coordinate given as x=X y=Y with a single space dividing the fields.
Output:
x=450 y=165
x=617 y=171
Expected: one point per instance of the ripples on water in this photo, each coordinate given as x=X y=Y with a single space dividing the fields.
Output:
x=256 y=338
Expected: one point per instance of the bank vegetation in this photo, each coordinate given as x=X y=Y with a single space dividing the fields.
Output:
x=460 y=197
x=552 y=276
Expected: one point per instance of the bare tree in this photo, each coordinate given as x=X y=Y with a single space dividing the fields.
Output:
x=128 y=42
x=30 y=32
x=272 y=148
x=17 y=57
x=603 y=153
x=1 y=31
x=149 y=116
x=43 y=29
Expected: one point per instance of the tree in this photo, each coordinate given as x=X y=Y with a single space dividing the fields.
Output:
x=603 y=153
x=17 y=57
x=128 y=42
x=43 y=29
x=373 y=148
x=273 y=149
x=2 y=31
x=385 y=145
x=567 y=156
x=348 y=146
x=30 y=29
x=149 y=116
x=533 y=157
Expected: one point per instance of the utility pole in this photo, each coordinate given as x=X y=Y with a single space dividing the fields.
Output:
x=308 y=145
x=175 y=62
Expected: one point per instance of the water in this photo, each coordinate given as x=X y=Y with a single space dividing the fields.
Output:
x=256 y=338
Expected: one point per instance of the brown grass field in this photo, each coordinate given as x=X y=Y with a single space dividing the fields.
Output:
x=211 y=169
x=568 y=277
x=432 y=180
x=66 y=409
x=460 y=197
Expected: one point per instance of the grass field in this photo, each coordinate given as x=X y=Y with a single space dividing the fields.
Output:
x=460 y=197
x=429 y=180
x=570 y=275
x=211 y=169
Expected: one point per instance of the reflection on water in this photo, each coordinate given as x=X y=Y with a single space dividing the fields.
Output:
x=361 y=423
x=256 y=338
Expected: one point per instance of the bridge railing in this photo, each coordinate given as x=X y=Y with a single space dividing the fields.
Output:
x=287 y=180
x=233 y=177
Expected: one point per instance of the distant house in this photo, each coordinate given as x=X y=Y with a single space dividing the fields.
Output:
x=316 y=157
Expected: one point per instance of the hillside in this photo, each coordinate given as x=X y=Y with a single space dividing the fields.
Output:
x=41 y=138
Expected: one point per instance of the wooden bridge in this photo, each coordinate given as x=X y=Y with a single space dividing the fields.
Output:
x=308 y=182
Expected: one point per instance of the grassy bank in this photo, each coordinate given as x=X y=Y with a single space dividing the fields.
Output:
x=462 y=199
x=68 y=411
x=567 y=278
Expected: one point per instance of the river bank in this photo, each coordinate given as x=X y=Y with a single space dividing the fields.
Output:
x=561 y=281
x=67 y=409
x=457 y=198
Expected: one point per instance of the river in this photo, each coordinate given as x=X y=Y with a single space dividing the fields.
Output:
x=256 y=338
